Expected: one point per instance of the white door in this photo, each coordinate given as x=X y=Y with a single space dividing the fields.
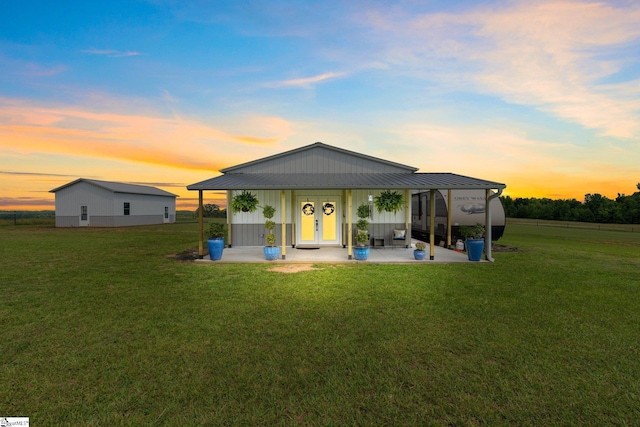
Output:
x=84 y=216
x=318 y=221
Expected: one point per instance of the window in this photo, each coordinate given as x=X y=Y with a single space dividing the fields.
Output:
x=166 y=212
x=127 y=208
x=84 y=213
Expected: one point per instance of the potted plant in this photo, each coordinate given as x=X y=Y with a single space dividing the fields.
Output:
x=362 y=249
x=389 y=201
x=215 y=242
x=271 y=251
x=419 y=253
x=244 y=202
x=474 y=243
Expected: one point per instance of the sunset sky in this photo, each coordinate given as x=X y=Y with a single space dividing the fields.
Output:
x=543 y=96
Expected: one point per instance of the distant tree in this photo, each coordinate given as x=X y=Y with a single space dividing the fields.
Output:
x=211 y=210
x=602 y=207
x=510 y=209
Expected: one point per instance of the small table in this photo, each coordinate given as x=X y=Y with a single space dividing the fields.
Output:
x=378 y=242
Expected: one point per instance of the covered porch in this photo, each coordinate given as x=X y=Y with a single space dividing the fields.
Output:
x=302 y=183
x=254 y=254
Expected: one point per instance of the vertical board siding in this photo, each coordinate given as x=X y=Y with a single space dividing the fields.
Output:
x=106 y=208
x=265 y=197
x=253 y=234
x=322 y=160
x=362 y=196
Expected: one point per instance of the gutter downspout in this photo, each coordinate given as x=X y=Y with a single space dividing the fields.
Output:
x=487 y=220
x=432 y=224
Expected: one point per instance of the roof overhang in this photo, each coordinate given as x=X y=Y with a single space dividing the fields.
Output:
x=290 y=181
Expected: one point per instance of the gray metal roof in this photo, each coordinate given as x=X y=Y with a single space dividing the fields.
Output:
x=319 y=166
x=320 y=158
x=119 y=187
x=288 y=181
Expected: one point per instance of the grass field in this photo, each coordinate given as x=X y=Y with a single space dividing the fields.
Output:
x=104 y=327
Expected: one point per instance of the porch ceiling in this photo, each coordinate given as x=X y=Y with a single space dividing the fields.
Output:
x=294 y=181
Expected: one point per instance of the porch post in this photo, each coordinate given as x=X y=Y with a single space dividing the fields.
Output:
x=200 y=225
x=407 y=213
x=349 y=225
x=294 y=210
x=432 y=223
x=229 y=217
x=449 y=209
x=487 y=222
x=283 y=206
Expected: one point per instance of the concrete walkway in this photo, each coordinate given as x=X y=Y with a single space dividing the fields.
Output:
x=248 y=254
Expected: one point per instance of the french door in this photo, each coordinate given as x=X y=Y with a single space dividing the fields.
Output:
x=318 y=221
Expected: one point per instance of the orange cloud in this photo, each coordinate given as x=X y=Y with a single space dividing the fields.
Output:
x=174 y=142
x=255 y=140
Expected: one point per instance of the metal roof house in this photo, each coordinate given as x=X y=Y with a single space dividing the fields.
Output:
x=89 y=202
x=316 y=190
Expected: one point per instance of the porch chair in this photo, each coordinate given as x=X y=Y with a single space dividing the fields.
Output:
x=399 y=238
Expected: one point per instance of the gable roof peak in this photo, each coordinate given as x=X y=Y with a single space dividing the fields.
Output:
x=318 y=146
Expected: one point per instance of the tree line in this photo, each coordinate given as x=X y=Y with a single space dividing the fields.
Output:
x=595 y=208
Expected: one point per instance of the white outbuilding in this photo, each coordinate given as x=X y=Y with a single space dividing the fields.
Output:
x=89 y=202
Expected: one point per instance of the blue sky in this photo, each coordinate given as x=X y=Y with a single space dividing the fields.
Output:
x=543 y=96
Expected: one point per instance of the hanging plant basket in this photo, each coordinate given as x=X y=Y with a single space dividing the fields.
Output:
x=244 y=202
x=389 y=201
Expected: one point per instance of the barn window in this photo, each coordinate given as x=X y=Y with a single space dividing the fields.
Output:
x=166 y=212
x=127 y=208
x=83 y=213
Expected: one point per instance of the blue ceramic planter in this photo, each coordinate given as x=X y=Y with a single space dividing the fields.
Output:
x=474 y=249
x=271 y=252
x=215 y=248
x=361 y=253
x=419 y=255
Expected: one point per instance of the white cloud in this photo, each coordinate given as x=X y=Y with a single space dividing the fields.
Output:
x=306 y=82
x=552 y=55
x=111 y=52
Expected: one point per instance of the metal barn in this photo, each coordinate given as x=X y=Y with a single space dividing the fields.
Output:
x=89 y=202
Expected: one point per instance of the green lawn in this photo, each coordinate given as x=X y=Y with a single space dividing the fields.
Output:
x=102 y=327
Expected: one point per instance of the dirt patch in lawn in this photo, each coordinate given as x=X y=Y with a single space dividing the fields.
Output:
x=190 y=254
x=293 y=268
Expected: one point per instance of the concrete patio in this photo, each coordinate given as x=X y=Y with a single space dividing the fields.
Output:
x=253 y=254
